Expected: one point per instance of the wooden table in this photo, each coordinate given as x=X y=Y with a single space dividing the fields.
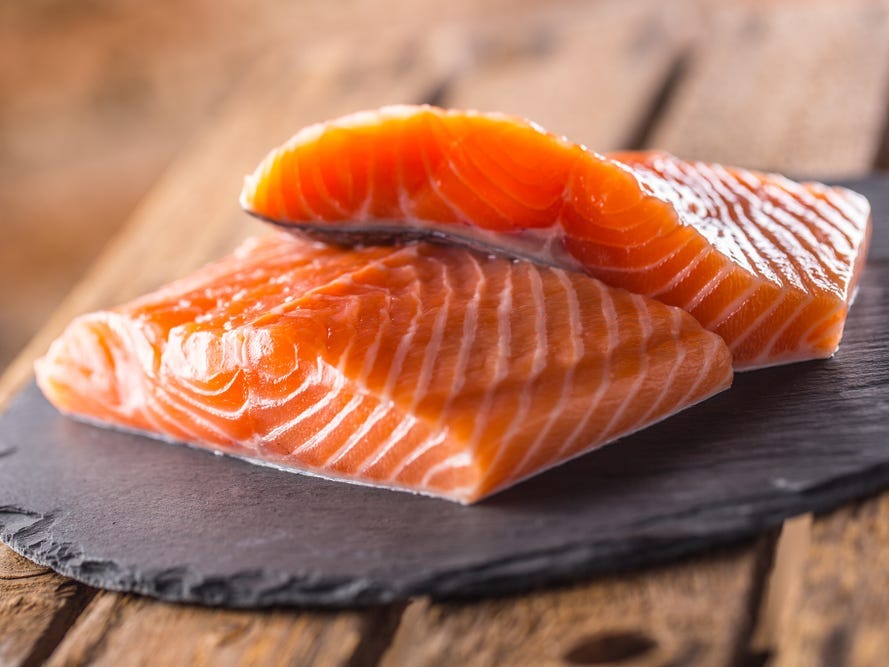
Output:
x=798 y=87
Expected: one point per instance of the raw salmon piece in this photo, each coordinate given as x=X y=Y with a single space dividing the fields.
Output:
x=419 y=367
x=768 y=264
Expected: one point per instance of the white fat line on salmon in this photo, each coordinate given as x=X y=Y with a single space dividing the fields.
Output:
x=842 y=233
x=459 y=460
x=777 y=238
x=334 y=423
x=611 y=331
x=852 y=208
x=644 y=319
x=501 y=367
x=839 y=308
x=433 y=347
x=797 y=228
x=703 y=373
x=575 y=337
x=384 y=408
x=470 y=185
x=159 y=406
x=739 y=246
x=555 y=462
x=339 y=382
x=678 y=361
x=835 y=216
x=372 y=351
x=734 y=306
x=709 y=287
x=435 y=184
x=311 y=378
x=816 y=269
x=785 y=325
x=538 y=363
x=404 y=344
x=761 y=319
x=660 y=261
x=430 y=443
x=295 y=176
x=808 y=208
x=470 y=328
x=719 y=225
x=323 y=192
x=680 y=275
x=397 y=435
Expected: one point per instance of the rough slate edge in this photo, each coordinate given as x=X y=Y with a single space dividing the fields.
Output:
x=31 y=535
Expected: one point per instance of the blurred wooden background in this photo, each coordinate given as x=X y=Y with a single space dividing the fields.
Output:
x=98 y=96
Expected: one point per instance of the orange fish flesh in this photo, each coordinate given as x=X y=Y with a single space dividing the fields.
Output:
x=767 y=263
x=421 y=367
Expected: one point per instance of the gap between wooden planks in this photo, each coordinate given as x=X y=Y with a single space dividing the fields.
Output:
x=700 y=608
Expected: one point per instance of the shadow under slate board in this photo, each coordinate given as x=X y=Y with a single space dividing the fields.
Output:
x=128 y=513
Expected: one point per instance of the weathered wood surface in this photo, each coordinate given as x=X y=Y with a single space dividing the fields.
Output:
x=695 y=613
x=841 y=612
x=125 y=630
x=593 y=73
x=36 y=608
x=803 y=90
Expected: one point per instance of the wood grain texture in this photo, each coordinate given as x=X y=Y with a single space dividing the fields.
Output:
x=123 y=631
x=191 y=217
x=842 y=609
x=666 y=616
x=793 y=87
x=36 y=607
x=589 y=71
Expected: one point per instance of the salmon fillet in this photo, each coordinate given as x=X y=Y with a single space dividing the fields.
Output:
x=768 y=264
x=420 y=367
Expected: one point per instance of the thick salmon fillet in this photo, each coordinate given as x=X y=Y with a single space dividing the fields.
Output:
x=768 y=264
x=420 y=367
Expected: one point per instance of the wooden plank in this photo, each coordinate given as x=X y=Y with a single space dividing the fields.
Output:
x=589 y=71
x=126 y=630
x=34 y=603
x=842 y=610
x=696 y=612
x=804 y=89
x=799 y=88
x=192 y=216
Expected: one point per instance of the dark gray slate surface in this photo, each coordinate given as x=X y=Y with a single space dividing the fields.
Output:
x=128 y=513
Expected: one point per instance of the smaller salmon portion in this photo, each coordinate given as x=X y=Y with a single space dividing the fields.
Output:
x=769 y=264
x=421 y=367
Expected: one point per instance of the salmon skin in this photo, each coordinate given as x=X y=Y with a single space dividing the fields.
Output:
x=768 y=264
x=419 y=367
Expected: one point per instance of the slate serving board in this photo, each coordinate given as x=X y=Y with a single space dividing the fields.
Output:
x=128 y=513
